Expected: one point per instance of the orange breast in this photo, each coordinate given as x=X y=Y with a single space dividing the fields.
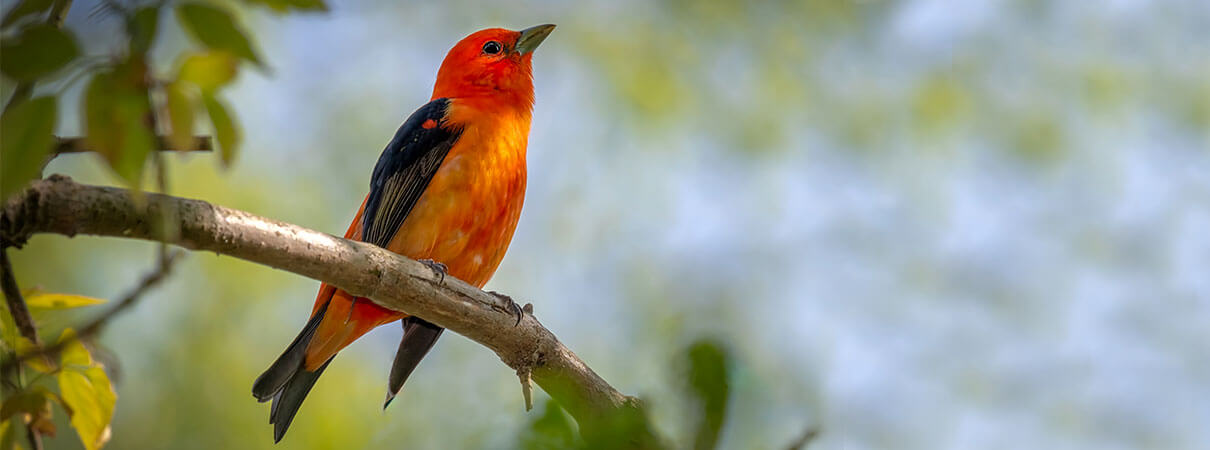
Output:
x=466 y=217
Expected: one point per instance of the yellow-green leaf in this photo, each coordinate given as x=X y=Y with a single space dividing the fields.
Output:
x=74 y=354
x=87 y=393
x=117 y=111
x=225 y=129
x=216 y=29
x=24 y=347
x=35 y=298
x=25 y=140
x=180 y=106
x=38 y=51
x=209 y=70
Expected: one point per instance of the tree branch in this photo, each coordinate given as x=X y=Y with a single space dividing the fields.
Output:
x=166 y=261
x=16 y=303
x=59 y=205
x=77 y=145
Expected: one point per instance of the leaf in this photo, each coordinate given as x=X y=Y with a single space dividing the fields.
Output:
x=25 y=140
x=87 y=393
x=553 y=429
x=24 y=347
x=142 y=26
x=35 y=298
x=29 y=401
x=209 y=70
x=708 y=383
x=25 y=8
x=227 y=133
x=116 y=116
x=180 y=106
x=281 y=6
x=8 y=438
x=216 y=29
x=38 y=51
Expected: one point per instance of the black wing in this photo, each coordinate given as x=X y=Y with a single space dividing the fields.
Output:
x=404 y=170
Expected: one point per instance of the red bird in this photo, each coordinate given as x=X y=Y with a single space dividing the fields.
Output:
x=447 y=190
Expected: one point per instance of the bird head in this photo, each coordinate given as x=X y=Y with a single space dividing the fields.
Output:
x=493 y=65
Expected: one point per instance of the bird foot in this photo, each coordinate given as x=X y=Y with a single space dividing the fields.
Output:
x=439 y=270
x=511 y=307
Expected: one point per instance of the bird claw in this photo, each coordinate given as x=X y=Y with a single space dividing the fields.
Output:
x=511 y=307
x=439 y=269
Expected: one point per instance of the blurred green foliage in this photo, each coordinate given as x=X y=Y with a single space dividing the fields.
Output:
x=124 y=107
x=821 y=184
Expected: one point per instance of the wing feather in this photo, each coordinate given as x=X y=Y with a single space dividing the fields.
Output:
x=404 y=170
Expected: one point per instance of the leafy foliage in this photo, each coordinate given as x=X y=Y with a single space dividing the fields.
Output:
x=125 y=106
x=25 y=140
x=708 y=375
x=87 y=394
x=216 y=29
x=117 y=107
x=38 y=51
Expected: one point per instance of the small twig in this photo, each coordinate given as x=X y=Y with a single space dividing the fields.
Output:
x=58 y=13
x=149 y=281
x=35 y=439
x=804 y=440
x=78 y=145
x=527 y=387
x=16 y=303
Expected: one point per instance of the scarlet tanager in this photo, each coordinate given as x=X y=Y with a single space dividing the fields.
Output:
x=447 y=190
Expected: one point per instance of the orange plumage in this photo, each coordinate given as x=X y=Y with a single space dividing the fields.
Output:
x=467 y=212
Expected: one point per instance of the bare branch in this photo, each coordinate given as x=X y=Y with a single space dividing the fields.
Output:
x=803 y=441
x=78 y=145
x=16 y=303
x=59 y=205
x=151 y=280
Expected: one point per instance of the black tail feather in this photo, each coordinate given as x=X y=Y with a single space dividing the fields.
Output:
x=271 y=382
x=418 y=338
x=287 y=401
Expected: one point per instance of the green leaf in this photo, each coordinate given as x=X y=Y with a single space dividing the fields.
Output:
x=8 y=437
x=225 y=129
x=142 y=26
x=35 y=298
x=117 y=112
x=38 y=51
x=25 y=8
x=87 y=393
x=281 y=6
x=216 y=29
x=180 y=106
x=209 y=70
x=553 y=429
x=25 y=140
x=29 y=401
x=708 y=383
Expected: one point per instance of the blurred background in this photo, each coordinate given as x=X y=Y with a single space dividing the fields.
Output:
x=916 y=224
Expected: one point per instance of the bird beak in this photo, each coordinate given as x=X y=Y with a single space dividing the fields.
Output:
x=532 y=36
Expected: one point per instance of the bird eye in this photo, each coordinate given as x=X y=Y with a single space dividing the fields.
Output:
x=492 y=48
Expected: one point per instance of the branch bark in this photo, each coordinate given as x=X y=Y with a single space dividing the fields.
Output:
x=16 y=303
x=59 y=205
